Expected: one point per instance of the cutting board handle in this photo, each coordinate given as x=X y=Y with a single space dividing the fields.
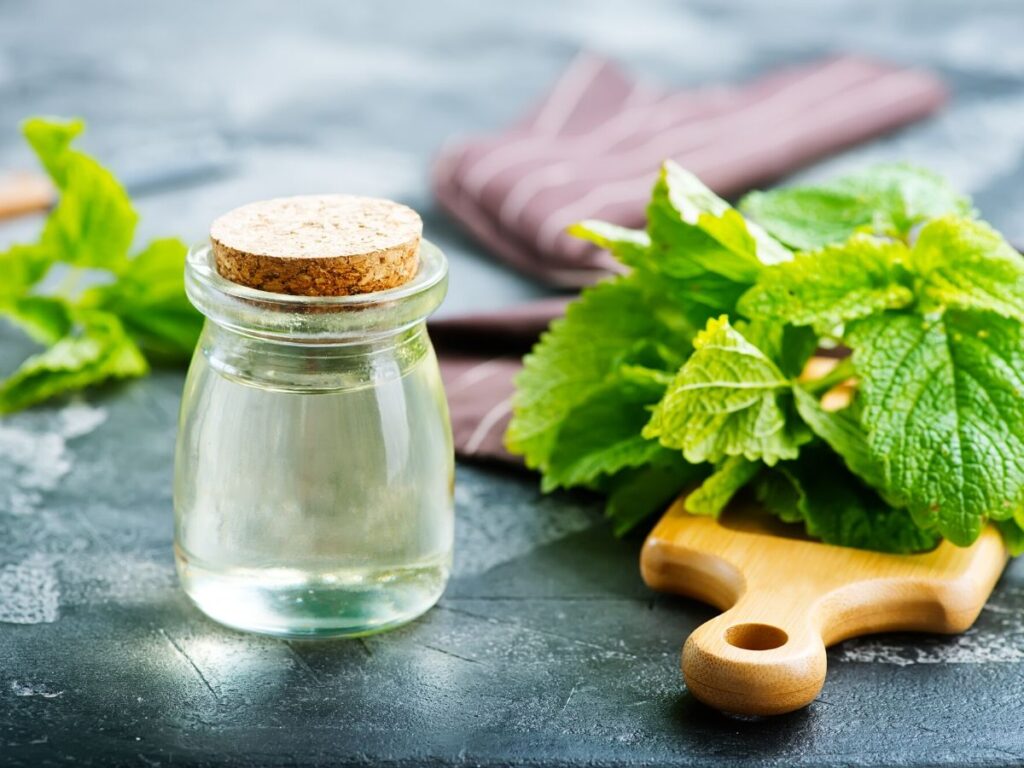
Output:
x=755 y=658
x=786 y=599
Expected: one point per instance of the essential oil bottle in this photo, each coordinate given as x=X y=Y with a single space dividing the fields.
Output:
x=314 y=464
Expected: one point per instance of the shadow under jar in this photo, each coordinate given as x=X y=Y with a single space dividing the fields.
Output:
x=314 y=465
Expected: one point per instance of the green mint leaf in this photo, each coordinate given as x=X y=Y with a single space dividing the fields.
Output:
x=693 y=231
x=833 y=285
x=636 y=494
x=725 y=401
x=51 y=140
x=942 y=403
x=838 y=509
x=717 y=490
x=779 y=495
x=98 y=349
x=706 y=294
x=1013 y=536
x=610 y=324
x=965 y=264
x=45 y=319
x=788 y=346
x=678 y=307
x=808 y=218
x=149 y=297
x=602 y=434
x=93 y=222
x=797 y=346
x=630 y=246
x=905 y=194
x=649 y=383
x=885 y=199
x=843 y=435
x=22 y=266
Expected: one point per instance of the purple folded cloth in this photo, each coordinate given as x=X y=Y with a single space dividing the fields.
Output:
x=593 y=145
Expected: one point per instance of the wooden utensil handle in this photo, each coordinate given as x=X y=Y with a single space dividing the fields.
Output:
x=22 y=193
x=748 y=660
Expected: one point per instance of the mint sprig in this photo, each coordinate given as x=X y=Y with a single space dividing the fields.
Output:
x=884 y=199
x=721 y=312
x=111 y=313
x=728 y=400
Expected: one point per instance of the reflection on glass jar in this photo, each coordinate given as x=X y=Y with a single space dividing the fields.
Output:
x=314 y=466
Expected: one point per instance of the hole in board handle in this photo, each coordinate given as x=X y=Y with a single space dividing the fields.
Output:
x=755 y=637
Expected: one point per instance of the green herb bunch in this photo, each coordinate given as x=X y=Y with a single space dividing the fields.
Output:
x=109 y=314
x=686 y=372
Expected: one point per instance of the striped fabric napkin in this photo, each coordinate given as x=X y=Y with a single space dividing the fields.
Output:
x=591 y=149
x=593 y=145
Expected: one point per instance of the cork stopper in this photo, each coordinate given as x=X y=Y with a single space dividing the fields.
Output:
x=318 y=245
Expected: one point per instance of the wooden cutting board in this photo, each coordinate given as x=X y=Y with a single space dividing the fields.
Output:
x=786 y=599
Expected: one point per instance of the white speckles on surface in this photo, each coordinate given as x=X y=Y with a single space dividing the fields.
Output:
x=31 y=463
x=124 y=579
x=34 y=454
x=29 y=592
x=35 y=458
x=79 y=418
x=969 y=648
x=997 y=638
x=34 y=689
x=34 y=590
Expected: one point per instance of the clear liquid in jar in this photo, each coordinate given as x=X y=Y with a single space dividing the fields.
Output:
x=311 y=514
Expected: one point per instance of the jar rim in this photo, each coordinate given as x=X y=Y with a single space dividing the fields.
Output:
x=299 y=318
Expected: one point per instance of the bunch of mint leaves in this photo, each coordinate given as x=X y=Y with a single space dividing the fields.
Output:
x=688 y=371
x=110 y=314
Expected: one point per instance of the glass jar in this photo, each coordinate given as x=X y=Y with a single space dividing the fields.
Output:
x=314 y=467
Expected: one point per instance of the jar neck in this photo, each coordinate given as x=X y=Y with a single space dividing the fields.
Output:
x=309 y=367
x=314 y=320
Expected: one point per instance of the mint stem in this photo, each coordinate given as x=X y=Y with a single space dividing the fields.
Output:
x=843 y=371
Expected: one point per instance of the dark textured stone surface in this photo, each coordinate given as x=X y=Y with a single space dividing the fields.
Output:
x=546 y=649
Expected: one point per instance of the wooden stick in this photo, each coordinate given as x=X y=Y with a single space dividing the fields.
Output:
x=22 y=193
